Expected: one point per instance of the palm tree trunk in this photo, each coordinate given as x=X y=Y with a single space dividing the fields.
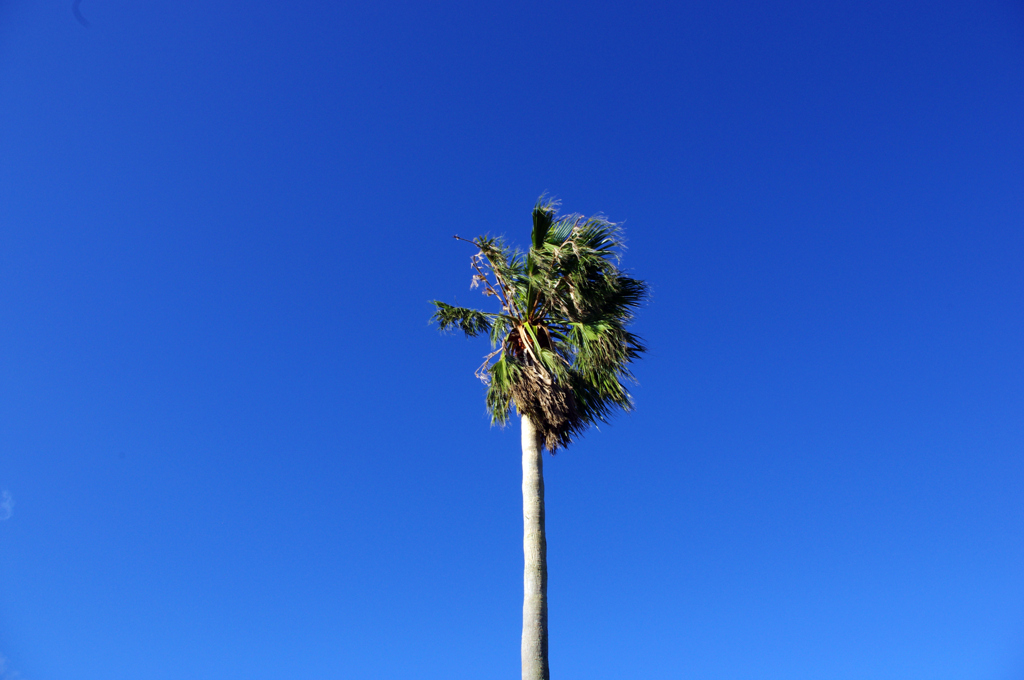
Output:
x=535 y=550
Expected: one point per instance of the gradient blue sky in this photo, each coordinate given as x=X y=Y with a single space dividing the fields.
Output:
x=236 y=450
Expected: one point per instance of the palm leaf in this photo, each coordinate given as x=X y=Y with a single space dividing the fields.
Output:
x=469 y=321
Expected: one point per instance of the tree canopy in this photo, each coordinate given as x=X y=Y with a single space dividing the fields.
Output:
x=561 y=345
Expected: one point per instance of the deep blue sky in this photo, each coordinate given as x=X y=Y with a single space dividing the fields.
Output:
x=236 y=450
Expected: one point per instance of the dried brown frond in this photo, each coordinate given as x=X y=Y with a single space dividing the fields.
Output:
x=549 y=403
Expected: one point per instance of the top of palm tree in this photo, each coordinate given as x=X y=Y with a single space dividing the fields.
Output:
x=561 y=348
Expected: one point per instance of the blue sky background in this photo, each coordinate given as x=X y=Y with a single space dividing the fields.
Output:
x=233 y=448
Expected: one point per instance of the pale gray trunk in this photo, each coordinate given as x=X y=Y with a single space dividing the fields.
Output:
x=535 y=550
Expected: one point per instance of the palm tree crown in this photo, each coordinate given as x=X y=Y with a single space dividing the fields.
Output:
x=561 y=348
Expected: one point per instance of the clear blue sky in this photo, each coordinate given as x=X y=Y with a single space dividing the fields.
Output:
x=232 y=447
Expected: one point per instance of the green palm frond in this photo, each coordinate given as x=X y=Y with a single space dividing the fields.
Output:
x=502 y=375
x=543 y=218
x=561 y=340
x=469 y=321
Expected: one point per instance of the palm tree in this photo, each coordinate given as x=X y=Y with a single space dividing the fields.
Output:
x=561 y=354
